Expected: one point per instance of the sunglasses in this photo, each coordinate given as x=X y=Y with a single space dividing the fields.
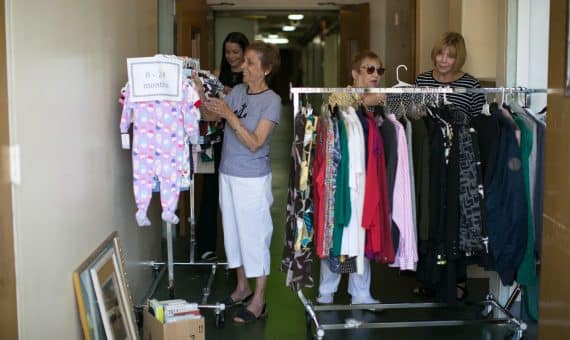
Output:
x=371 y=68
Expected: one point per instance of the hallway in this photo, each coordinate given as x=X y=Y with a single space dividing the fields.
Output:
x=286 y=315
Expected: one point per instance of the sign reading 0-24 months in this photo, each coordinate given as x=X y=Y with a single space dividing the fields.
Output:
x=155 y=78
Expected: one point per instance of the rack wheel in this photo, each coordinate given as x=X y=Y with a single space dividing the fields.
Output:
x=220 y=320
x=171 y=292
x=517 y=334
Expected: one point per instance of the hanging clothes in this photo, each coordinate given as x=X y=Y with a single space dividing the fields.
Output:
x=406 y=253
x=160 y=131
x=527 y=276
x=390 y=139
x=342 y=209
x=505 y=205
x=297 y=264
x=472 y=231
x=353 y=241
x=376 y=215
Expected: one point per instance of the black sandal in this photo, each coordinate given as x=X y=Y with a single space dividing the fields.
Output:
x=228 y=301
x=423 y=292
x=247 y=316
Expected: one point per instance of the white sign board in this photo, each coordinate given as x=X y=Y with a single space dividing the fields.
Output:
x=155 y=78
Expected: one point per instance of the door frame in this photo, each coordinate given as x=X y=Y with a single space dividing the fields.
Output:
x=8 y=301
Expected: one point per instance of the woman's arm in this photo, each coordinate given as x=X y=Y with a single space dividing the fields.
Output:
x=252 y=140
x=205 y=113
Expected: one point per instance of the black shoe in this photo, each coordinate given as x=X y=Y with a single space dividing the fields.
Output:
x=228 y=301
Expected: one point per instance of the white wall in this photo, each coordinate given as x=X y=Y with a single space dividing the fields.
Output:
x=66 y=64
x=532 y=47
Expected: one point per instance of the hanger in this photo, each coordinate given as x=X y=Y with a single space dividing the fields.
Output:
x=401 y=83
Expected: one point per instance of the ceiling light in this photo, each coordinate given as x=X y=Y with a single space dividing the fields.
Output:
x=288 y=28
x=272 y=36
x=295 y=16
x=276 y=41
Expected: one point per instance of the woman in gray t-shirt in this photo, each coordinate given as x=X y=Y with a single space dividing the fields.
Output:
x=251 y=111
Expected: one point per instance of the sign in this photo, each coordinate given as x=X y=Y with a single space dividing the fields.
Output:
x=155 y=78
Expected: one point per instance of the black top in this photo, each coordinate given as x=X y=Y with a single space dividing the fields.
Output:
x=231 y=79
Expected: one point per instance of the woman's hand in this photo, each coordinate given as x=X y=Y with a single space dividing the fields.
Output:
x=219 y=108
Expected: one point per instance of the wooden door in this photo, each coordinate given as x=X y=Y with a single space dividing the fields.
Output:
x=354 y=36
x=8 y=304
x=554 y=274
x=193 y=29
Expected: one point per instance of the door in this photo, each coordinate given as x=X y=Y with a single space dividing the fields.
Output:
x=400 y=48
x=193 y=22
x=192 y=32
x=354 y=36
x=554 y=275
x=9 y=320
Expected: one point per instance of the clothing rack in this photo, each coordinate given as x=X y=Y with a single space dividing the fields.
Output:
x=219 y=308
x=491 y=308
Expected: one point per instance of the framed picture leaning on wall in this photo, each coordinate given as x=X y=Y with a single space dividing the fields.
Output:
x=102 y=293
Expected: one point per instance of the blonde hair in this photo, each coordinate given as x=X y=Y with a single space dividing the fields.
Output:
x=456 y=44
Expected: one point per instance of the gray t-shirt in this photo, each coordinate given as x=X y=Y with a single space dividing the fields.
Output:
x=237 y=160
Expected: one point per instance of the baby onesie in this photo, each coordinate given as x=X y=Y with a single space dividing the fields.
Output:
x=160 y=129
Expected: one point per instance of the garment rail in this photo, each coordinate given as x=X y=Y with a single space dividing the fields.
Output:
x=492 y=312
x=218 y=308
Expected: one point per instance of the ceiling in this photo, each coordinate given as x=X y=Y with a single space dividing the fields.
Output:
x=272 y=21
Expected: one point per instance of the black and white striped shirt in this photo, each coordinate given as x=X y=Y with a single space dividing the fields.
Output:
x=469 y=103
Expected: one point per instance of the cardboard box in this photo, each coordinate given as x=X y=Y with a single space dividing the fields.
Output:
x=180 y=330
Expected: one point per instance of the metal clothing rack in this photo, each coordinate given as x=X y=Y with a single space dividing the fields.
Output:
x=218 y=308
x=490 y=306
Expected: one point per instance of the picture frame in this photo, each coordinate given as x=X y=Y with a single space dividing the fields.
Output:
x=99 y=277
x=567 y=75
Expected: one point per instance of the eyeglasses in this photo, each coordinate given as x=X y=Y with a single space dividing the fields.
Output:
x=371 y=68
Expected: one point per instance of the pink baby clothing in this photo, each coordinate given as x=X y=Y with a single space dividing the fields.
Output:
x=160 y=132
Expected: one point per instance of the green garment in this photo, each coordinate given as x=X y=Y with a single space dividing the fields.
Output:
x=526 y=275
x=342 y=205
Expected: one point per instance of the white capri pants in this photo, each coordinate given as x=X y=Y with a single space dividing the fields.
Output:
x=246 y=217
x=358 y=284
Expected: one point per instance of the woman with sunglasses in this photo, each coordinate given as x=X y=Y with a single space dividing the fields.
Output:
x=367 y=71
x=448 y=56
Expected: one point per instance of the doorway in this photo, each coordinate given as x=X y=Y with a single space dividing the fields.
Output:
x=8 y=302
x=308 y=43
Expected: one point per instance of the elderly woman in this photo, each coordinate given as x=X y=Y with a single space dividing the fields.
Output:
x=230 y=75
x=448 y=56
x=251 y=111
x=367 y=70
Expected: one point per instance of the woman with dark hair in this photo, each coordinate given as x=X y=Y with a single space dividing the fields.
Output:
x=230 y=74
x=251 y=111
